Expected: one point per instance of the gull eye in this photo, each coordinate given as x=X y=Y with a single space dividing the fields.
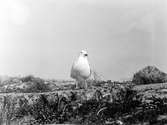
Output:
x=86 y=54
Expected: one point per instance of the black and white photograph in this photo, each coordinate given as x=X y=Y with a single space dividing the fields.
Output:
x=83 y=62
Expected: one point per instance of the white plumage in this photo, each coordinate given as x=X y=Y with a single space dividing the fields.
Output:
x=80 y=70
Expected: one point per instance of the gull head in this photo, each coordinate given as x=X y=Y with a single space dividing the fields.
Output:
x=84 y=53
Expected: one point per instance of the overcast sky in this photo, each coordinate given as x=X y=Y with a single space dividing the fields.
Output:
x=43 y=37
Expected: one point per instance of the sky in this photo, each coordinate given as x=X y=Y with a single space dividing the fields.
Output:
x=44 y=37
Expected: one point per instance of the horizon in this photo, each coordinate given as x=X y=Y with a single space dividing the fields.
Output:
x=120 y=80
x=43 y=38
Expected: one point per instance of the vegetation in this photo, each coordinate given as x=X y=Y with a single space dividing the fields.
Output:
x=27 y=84
x=149 y=74
x=112 y=104
x=105 y=102
x=35 y=84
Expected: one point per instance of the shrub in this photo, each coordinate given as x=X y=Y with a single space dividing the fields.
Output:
x=149 y=74
x=28 y=78
x=35 y=84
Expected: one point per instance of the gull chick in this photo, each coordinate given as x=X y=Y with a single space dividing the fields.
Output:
x=80 y=70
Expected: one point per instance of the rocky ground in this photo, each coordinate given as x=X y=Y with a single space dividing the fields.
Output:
x=32 y=101
x=25 y=108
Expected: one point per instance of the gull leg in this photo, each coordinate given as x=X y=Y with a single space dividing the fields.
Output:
x=77 y=86
x=86 y=85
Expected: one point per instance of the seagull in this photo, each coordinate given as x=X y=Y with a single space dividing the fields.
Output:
x=80 y=70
